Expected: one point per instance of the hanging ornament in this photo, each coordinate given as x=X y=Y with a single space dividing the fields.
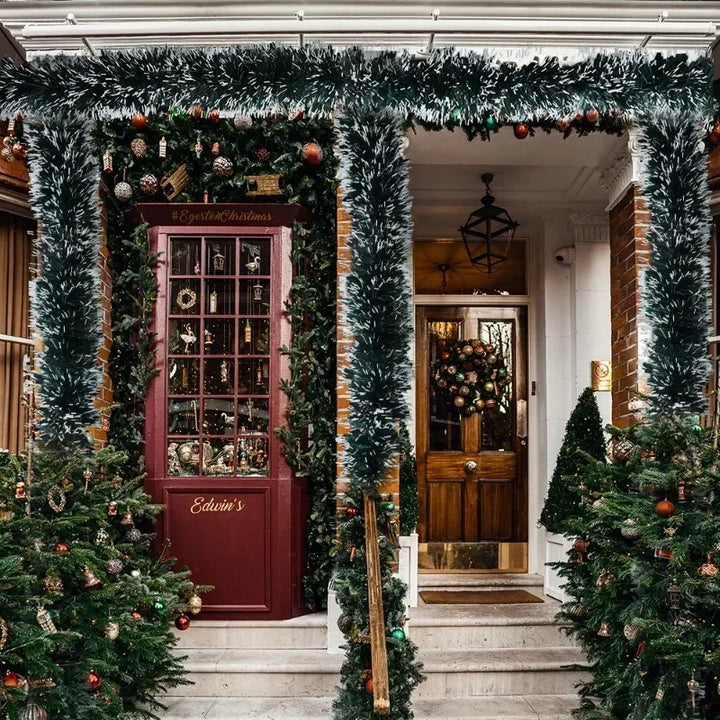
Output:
x=3 y=633
x=198 y=147
x=45 y=621
x=12 y=679
x=53 y=584
x=159 y=607
x=665 y=508
x=133 y=535
x=622 y=450
x=576 y=610
x=674 y=595
x=137 y=614
x=604 y=630
x=182 y=622
x=296 y=115
x=369 y=686
x=222 y=167
x=94 y=680
x=398 y=634
x=127 y=519
x=19 y=151
x=351 y=511
x=630 y=530
x=138 y=147
x=56 y=498
x=196 y=111
x=660 y=694
x=20 y=493
x=102 y=537
x=149 y=184
x=214 y=115
x=242 y=122
x=603 y=579
x=681 y=496
x=135 y=573
x=33 y=711
x=195 y=604
x=693 y=687
x=708 y=569
x=592 y=115
x=631 y=631
x=11 y=126
x=248 y=332
x=107 y=162
x=162 y=148
x=7 y=154
x=459 y=401
x=138 y=121
x=262 y=154
x=491 y=123
x=123 y=190
x=62 y=547
x=521 y=130
x=112 y=508
x=91 y=579
x=114 y=566
x=215 y=149
x=640 y=649
x=581 y=545
x=312 y=154
x=663 y=553
x=112 y=631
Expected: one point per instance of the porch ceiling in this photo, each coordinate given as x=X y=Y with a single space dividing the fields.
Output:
x=587 y=23
x=534 y=177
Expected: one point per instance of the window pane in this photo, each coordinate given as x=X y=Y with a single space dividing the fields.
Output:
x=444 y=417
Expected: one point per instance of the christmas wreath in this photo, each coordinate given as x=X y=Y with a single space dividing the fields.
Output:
x=471 y=375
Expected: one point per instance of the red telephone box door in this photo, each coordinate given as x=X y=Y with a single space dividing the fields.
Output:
x=234 y=514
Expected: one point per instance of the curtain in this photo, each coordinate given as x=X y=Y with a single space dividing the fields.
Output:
x=15 y=255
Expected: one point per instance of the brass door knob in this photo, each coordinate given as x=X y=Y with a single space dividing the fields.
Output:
x=470 y=466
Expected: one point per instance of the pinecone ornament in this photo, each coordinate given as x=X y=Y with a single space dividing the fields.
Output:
x=138 y=147
x=114 y=566
x=222 y=167
x=149 y=184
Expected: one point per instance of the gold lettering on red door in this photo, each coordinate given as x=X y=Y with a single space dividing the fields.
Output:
x=201 y=505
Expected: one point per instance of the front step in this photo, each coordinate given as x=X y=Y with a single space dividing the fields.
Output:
x=449 y=673
x=484 y=581
x=528 y=707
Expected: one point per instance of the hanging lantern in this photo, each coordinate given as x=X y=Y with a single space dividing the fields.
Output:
x=107 y=162
x=20 y=493
x=162 y=148
x=45 y=621
x=257 y=292
x=490 y=225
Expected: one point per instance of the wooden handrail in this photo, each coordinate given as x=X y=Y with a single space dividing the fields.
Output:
x=378 y=647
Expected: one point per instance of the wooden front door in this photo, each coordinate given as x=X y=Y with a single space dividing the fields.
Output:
x=472 y=469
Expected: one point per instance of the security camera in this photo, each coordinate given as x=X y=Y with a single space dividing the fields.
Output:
x=565 y=255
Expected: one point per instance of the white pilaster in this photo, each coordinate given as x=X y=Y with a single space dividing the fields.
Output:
x=622 y=168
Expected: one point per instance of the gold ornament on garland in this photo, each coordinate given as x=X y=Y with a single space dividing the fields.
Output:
x=195 y=604
x=45 y=621
x=91 y=579
x=53 y=584
x=222 y=167
x=56 y=498
x=471 y=374
x=149 y=184
x=138 y=147
x=3 y=633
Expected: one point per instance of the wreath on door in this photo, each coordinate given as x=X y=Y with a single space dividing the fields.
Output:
x=471 y=375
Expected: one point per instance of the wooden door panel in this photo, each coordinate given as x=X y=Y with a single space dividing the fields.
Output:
x=446 y=501
x=489 y=465
x=496 y=510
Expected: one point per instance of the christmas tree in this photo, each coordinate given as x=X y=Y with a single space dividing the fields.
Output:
x=583 y=441
x=642 y=578
x=85 y=612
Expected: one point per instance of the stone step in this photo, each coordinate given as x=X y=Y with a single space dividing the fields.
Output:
x=509 y=707
x=441 y=627
x=304 y=632
x=314 y=673
x=485 y=581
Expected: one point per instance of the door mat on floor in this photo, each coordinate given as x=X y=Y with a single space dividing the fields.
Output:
x=478 y=597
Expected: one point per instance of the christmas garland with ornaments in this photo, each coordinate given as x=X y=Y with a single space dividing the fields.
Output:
x=471 y=375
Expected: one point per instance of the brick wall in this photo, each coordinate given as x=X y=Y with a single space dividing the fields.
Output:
x=629 y=254
x=104 y=398
x=391 y=485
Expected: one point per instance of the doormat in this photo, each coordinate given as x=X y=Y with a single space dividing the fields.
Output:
x=478 y=597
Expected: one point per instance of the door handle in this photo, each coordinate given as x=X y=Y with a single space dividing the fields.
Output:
x=470 y=466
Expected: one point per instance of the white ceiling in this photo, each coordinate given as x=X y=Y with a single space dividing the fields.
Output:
x=15 y=14
x=534 y=177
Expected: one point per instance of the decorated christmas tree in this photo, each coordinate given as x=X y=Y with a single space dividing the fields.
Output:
x=583 y=441
x=85 y=613
x=643 y=579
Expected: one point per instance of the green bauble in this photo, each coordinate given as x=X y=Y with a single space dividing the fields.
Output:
x=455 y=115
x=398 y=634
x=160 y=607
x=491 y=123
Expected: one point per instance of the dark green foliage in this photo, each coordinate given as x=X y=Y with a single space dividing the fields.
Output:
x=378 y=313
x=583 y=442
x=408 y=483
x=309 y=435
x=642 y=671
x=66 y=302
x=137 y=665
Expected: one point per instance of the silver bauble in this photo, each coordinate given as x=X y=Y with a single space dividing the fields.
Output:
x=112 y=630
x=630 y=530
x=114 y=566
x=123 y=191
x=242 y=122
x=133 y=535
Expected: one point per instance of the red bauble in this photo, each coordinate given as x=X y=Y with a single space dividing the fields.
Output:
x=640 y=648
x=312 y=154
x=351 y=511
x=94 y=680
x=214 y=115
x=137 y=615
x=581 y=545
x=62 y=547
x=665 y=508
x=11 y=679
x=182 y=622
x=138 y=121
x=369 y=686
x=521 y=130
x=592 y=115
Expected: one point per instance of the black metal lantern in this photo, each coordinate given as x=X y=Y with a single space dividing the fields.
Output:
x=674 y=596
x=491 y=225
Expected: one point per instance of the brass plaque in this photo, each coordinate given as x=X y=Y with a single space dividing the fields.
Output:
x=602 y=375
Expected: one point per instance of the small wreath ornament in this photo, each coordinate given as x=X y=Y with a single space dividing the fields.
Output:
x=56 y=498
x=471 y=375
x=186 y=298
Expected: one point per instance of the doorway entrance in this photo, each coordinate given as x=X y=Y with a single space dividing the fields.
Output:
x=472 y=470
